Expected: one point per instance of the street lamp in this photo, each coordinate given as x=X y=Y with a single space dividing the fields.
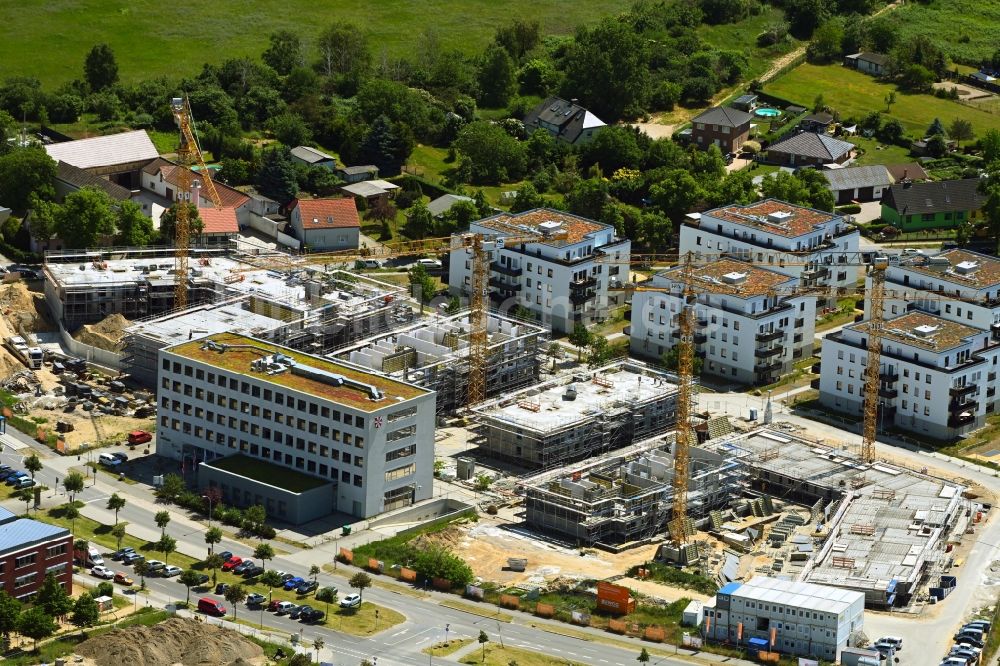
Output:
x=208 y=496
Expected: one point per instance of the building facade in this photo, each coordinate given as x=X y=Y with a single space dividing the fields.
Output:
x=812 y=245
x=721 y=126
x=565 y=121
x=932 y=205
x=371 y=436
x=790 y=617
x=749 y=326
x=561 y=282
x=29 y=550
x=326 y=224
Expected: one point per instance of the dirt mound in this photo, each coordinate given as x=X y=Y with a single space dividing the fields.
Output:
x=176 y=641
x=20 y=303
x=106 y=334
x=450 y=538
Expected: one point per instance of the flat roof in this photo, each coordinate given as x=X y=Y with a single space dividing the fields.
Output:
x=984 y=275
x=245 y=350
x=266 y=472
x=920 y=329
x=544 y=408
x=773 y=216
x=576 y=228
x=22 y=532
x=205 y=319
x=807 y=596
x=732 y=277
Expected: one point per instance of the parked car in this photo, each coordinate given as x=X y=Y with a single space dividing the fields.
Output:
x=430 y=264
x=307 y=587
x=133 y=558
x=314 y=616
x=170 y=571
x=210 y=606
x=255 y=599
x=108 y=460
x=139 y=437
x=232 y=563
x=202 y=579
x=351 y=601
x=273 y=605
x=6 y=474
x=980 y=624
x=120 y=554
x=297 y=613
x=285 y=607
x=16 y=477
x=284 y=575
x=221 y=588
x=253 y=570
x=970 y=639
x=895 y=641
x=122 y=457
x=294 y=582
x=154 y=567
x=225 y=555
x=102 y=572
x=241 y=567
x=123 y=579
x=24 y=482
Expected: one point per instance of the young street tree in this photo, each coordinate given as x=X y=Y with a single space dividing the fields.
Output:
x=26 y=495
x=422 y=286
x=360 y=581
x=255 y=516
x=72 y=513
x=189 y=578
x=86 y=612
x=271 y=580
x=73 y=483
x=162 y=519
x=33 y=464
x=213 y=535
x=118 y=532
x=142 y=568
x=166 y=545
x=483 y=640
x=173 y=484
x=235 y=594
x=327 y=595
x=36 y=624
x=214 y=562
x=116 y=503
x=579 y=338
x=263 y=552
x=313 y=572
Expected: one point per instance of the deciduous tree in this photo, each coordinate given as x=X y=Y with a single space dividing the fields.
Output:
x=360 y=582
x=100 y=68
x=284 y=51
x=23 y=172
x=36 y=624
x=86 y=612
x=116 y=503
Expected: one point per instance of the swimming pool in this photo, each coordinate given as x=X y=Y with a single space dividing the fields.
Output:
x=767 y=113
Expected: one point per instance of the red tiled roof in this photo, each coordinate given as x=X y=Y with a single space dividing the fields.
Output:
x=802 y=220
x=575 y=227
x=228 y=196
x=219 y=220
x=328 y=213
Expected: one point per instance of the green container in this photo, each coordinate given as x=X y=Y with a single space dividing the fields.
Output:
x=345 y=530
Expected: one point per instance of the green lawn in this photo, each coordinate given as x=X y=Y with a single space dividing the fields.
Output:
x=444 y=649
x=876 y=152
x=742 y=37
x=854 y=95
x=49 y=39
x=499 y=656
x=967 y=30
x=265 y=472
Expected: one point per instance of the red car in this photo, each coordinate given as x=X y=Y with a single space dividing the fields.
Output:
x=273 y=606
x=139 y=437
x=232 y=562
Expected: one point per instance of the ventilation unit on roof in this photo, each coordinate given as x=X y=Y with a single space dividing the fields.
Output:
x=925 y=330
x=734 y=277
x=966 y=267
x=779 y=216
x=549 y=227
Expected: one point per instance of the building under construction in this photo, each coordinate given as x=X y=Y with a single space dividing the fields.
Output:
x=881 y=529
x=434 y=353
x=577 y=417
x=622 y=500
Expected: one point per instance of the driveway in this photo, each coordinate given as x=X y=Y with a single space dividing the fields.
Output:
x=656 y=130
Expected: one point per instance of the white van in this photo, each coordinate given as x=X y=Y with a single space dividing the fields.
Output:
x=108 y=460
x=368 y=263
x=430 y=264
x=895 y=641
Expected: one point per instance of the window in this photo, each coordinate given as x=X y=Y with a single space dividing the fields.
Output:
x=24 y=560
x=55 y=551
x=401 y=453
x=400 y=472
x=24 y=581
x=401 y=433
x=358 y=481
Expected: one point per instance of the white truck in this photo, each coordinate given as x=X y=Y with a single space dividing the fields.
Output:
x=30 y=356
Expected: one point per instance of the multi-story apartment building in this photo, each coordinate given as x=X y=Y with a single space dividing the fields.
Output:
x=935 y=375
x=749 y=325
x=563 y=278
x=786 y=616
x=369 y=435
x=812 y=245
x=29 y=550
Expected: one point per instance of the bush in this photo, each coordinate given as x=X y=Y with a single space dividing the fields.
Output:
x=849 y=209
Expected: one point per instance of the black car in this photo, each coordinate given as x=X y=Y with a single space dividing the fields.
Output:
x=225 y=555
x=132 y=558
x=313 y=616
x=202 y=579
x=307 y=587
x=253 y=570
x=120 y=554
x=297 y=613
x=221 y=588
x=255 y=599
x=5 y=474
x=971 y=640
x=242 y=566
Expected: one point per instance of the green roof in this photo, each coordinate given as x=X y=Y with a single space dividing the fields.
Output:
x=269 y=473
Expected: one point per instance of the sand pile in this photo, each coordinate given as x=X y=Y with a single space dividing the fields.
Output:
x=17 y=301
x=106 y=334
x=175 y=641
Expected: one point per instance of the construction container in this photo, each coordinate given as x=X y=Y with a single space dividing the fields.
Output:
x=466 y=469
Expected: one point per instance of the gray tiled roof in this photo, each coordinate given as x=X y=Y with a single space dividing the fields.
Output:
x=934 y=197
x=79 y=178
x=444 y=203
x=722 y=115
x=858 y=177
x=809 y=144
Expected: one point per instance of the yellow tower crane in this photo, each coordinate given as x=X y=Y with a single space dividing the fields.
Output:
x=873 y=368
x=188 y=192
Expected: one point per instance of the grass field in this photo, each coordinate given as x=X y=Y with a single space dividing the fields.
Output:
x=498 y=656
x=49 y=39
x=967 y=30
x=742 y=37
x=854 y=94
x=877 y=152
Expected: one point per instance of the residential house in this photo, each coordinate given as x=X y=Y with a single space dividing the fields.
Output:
x=721 y=126
x=745 y=103
x=817 y=122
x=864 y=183
x=326 y=224
x=371 y=191
x=908 y=171
x=942 y=204
x=563 y=278
x=810 y=149
x=747 y=329
x=117 y=157
x=443 y=203
x=567 y=121
x=875 y=64
x=219 y=226
x=312 y=157
x=162 y=178
x=69 y=179
x=356 y=174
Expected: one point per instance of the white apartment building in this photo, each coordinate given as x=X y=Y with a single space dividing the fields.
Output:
x=369 y=435
x=817 y=247
x=935 y=374
x=563 y=282
x=746 y=329
x=792 y=617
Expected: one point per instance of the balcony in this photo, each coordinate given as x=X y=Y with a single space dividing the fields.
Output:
x=767 y=367
x=959 y=420
x=817 y=273
x=955 y=406
x=698 y=337
x=496 y=283
x=580 y=297
x=769 y=337
x=888 y=393
x=768 y=353
x=889 y=375
x=959 y=391
x=504 y=269
x=586 y=283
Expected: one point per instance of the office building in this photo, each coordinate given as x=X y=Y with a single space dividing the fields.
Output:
x=564 y=278
x=750 y=327
x=29 y=550
x=370 y=436
x=814 y=246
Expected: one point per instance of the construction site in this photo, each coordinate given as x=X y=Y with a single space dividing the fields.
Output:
x=576 y=416
x=433 y=353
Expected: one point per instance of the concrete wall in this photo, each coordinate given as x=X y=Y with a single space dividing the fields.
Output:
x=102 y=357
x=281 y=504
